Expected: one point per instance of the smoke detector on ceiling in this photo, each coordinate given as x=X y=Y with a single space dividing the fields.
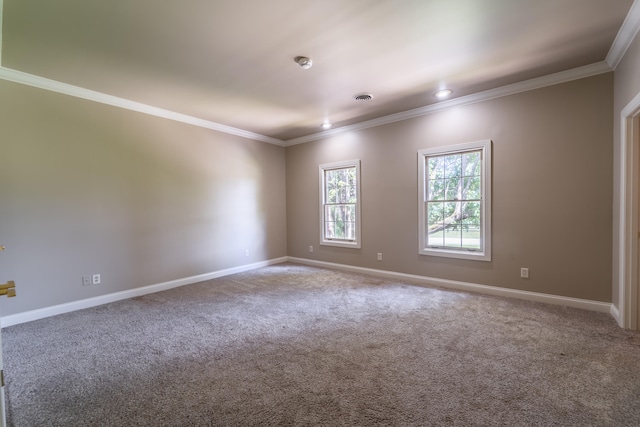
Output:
x=304 y=62
x=363 y=96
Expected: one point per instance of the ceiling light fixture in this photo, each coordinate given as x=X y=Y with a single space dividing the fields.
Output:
x=443 y=93
x=304 y=62
x=326 y=125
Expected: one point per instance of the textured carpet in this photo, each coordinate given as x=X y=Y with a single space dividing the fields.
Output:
x=295 y=345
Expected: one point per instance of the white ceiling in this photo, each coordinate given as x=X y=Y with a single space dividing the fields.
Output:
x=232 y=61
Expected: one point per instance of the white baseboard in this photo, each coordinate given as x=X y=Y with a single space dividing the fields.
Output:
x=616 y=315
x=603 y=307
x=28 y=316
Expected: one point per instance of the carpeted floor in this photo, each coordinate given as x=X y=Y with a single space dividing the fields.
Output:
x=295 y=345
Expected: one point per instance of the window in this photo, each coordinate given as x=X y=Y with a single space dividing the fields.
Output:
x=340 y=204
x=455 y=201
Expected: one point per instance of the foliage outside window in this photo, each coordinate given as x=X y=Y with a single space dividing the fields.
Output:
x=454 y=201
x=340 y=204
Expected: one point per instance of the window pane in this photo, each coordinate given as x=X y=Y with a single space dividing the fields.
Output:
x=436 y=239
x=338 y=229
x=340 y=221
x=451 y=211
x=351 y=195
x=471 y=213
x=435 y=213
x=329 y=224
x=472 y=164
x=471 y=236
x=329 y=230
x=344 y=213
x=340 y=185
x=352 y=179
x=436 y=189
x=329 y=213
x=453 y=236
x=329 y=187
x=342 y=194
x=436 y=167
x=472 y=190
x=452 y=165
x=351 y=213
x=350 y=233
x=452 y=189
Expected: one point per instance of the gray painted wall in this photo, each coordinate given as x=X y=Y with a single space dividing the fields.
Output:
x=88 y=188
x=552 y=180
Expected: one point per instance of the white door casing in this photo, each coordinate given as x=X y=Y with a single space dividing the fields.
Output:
x=629 y=218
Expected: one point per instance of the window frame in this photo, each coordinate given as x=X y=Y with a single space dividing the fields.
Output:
x=355 y=244
x=484 y=253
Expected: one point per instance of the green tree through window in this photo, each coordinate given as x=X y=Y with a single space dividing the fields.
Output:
x=340 y=204
x=453 y=200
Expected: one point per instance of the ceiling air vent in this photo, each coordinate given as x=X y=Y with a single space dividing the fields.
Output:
x=363 y=97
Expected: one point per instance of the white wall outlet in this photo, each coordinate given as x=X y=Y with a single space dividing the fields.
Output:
x=95 y=279
x=524 y=273
x=379 y=256
x=246 y=252
x=86 y=280
x=310 y=248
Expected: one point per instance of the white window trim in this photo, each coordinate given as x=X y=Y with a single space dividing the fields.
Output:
x=484 y=253
x=340 y=243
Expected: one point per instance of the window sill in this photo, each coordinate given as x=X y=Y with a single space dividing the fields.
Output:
x=450 y=253
x=341 y=244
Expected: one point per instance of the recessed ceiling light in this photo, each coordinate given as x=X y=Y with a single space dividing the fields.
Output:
x=303 y=62
x=443 y=93
x=326 y=125
x=363 y=96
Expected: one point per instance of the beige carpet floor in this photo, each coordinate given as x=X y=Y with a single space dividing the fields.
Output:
x=293 y=345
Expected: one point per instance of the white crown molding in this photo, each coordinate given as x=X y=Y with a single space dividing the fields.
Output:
x=625 y=35
x=602 y=307
x=91 y=95
x=28 y=316
x=527 y=85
